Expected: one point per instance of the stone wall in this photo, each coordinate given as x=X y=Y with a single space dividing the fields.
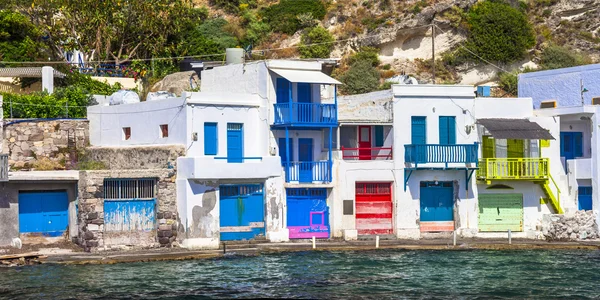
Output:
x=141 y=157
x=44 y=144
x=577 y=226
x=92 y=236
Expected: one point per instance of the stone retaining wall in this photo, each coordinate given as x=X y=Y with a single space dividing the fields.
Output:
x=55 y=143
x=92 y=236
x=139 y=157
x=577 y=226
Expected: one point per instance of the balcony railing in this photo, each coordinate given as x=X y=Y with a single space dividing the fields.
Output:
x=375 y=153
x=305 y=114
x=513 y=168
x=308 y=171
x=447 y=154
x=3 y=167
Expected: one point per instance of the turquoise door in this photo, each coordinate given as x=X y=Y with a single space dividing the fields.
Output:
x=437 y=201
x=235 y=143
x=305 y=157
x=418 y=131
x=241 y=212
x=46 y=213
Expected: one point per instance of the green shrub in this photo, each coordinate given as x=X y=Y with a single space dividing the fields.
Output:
x=499 y=32
x=209 y=37
x=284 y=16
x=387 y=67
x=508 y=82
x=87 y=84
x=547 y=12
x=20 y=39
x=556 y=57
x=418 y=6
x=319 y=36
x=256 y=29
x=362 y=77
x=368 y=54
x=233 y=6
x=43 y=105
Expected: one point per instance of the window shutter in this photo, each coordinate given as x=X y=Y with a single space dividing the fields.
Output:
x=418 y=134
x=210 y=139
x=451 y=130
x=283 y=90
x=283 y=152
x=304 y=93
x=443 y=131
x=379 y=136
x=488 y=146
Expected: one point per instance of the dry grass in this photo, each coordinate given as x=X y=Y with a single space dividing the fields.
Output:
x=45 y=164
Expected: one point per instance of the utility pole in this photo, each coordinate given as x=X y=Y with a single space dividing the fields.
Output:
x=433 y=50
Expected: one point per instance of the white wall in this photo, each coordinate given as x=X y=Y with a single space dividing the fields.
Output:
x=248 y=78
x=144 y=119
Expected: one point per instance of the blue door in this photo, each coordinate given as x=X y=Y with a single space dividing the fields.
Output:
x=305 y=107
x=437 y=201
x=447 y=128
x=241 y=212
x=305 y=157
x=235 y=143
x=585 y=197
x=571 y=145
x=46 y=213
x=307 y=213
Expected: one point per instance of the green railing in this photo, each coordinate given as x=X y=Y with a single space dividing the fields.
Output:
x=513 y=169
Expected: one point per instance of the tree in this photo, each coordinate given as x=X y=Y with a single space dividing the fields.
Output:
x=499 y=32
x=20 y=40
x=118 y=30
x=316 y=42
x=556 y=57
x=369 y=54
x=362 y=77
x=287 y=16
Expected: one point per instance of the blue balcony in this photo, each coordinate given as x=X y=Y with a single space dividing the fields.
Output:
x=305 y=114
x=308 y=171
x=441 y=154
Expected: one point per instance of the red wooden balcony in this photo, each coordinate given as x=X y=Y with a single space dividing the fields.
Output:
x=373 y=153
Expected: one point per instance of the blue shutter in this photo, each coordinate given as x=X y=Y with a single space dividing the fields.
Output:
x=282 y=151
x=418 y=131
x=379 y=136
x=578 y=141
x=210 y=139
x=283 y=90
x=235 y=143
x=562 y=143
x=447 y=130
x=304 y=93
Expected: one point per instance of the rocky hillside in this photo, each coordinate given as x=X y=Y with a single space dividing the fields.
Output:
x=400 y=31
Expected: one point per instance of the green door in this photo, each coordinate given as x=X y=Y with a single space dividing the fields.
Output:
x=515 y=148
x=500 y=212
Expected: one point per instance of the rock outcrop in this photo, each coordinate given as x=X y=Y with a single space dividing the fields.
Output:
x=577 y=226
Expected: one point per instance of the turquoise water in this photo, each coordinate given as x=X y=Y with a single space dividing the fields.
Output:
x=324 y=275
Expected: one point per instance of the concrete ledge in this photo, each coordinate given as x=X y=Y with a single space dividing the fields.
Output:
x=208 y=167
x=408 y=233
x=283 y=235
x=350 y=235
x=200 y=243
x=71 y=175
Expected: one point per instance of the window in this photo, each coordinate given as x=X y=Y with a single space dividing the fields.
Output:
x=127 y=189
x=333 y=138
x=210 y=139
x=164 y=130
x=126 y=133
x=447 y=130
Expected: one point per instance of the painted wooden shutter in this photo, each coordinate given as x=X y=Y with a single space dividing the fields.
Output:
x=304 y=93
x=283 y=152
x=578 y=143
x=515 y=148
x=447 y=130
x=418 y=133
x=489 y=147
x=210 y=139
x=379 y=136
x=283 y=90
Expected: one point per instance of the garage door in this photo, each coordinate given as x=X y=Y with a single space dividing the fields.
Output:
x=46 y=213
x=437 y=206
x=500 y=212
x=129 y=205
x=307 y=213
x=242 y=212
x=374 y=208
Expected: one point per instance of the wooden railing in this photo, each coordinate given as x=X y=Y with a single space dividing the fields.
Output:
x=423 y=154
x=308 y=171
x=3 y=167
x=305 y=113
x=374 y=153
x=514 y=168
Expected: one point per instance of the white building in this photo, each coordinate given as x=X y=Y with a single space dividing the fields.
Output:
x=480 y=166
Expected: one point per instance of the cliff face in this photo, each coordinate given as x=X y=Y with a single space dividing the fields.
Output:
x=400 y=30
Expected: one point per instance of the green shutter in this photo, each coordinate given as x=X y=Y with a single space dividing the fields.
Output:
x=379 y=136
x=500 y=212
x=488 y=147
x=515 y=148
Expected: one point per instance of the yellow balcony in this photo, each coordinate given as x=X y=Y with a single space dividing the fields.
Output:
x=513 y=169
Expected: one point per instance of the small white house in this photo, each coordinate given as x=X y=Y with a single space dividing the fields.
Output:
x=480 y=166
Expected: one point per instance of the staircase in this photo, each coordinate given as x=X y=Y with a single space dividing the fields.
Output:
x=554 y=200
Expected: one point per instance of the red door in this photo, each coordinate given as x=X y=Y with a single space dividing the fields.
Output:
x=364 y=142
x=374 y=208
